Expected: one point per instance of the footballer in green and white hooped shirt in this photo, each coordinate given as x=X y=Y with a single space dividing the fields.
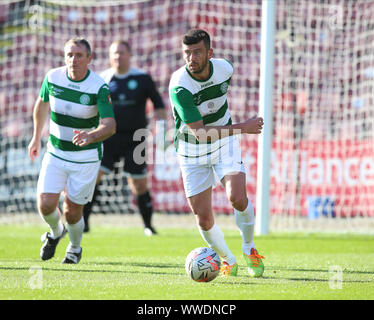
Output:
x=81 y=117
x=207 y=147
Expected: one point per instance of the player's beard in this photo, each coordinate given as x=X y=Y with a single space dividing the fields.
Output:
x=201 y=68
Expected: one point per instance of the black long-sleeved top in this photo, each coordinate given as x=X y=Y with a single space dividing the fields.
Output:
x=129 y=93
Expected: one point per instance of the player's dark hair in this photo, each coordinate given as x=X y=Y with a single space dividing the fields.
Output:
x=194 y=36
x=80 y=41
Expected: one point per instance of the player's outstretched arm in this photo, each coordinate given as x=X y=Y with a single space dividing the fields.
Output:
x=212 y=133
x=40 y=114
x=106 y=128
x=251 y=126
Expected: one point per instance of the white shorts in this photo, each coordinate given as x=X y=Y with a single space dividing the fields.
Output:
x=78 y=179
x=198 y=176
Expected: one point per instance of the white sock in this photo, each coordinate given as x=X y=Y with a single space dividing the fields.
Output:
x=54 y=222
x=216 y=240
x=75 y=234
x=245 y=220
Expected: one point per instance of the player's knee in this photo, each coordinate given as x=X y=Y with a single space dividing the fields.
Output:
x=138 y=186
x=72 y=216
x=205 y=223
x=238 y=202
x=46 y=205
x=46 y=208
x=73 y=212
x=140 y=189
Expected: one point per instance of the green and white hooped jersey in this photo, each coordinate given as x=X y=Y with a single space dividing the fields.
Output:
x=193 y=100
x=75 y=105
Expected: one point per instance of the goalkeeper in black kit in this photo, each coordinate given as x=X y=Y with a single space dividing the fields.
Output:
x=129 y=90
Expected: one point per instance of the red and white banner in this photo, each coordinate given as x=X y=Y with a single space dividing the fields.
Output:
x=314 y=177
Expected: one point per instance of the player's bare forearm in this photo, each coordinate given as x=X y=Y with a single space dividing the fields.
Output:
x=40 y=114
x=106 y=128
x=212 y=133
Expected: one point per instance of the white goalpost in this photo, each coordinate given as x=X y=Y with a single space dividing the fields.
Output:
x=265 y=103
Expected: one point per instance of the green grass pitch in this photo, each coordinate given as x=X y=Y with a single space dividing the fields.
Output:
x=121 y=263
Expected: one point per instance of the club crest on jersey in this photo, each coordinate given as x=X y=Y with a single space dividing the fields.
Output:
x=224 y=87
x=113 y=86
x=132 y=84
x=84 y=99
x=210 y=105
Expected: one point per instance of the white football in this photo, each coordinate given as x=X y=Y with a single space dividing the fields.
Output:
x=203 y=264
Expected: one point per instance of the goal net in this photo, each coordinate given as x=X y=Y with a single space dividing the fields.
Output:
x=322 y=156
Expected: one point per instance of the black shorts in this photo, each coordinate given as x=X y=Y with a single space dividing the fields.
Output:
x=122 y=145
